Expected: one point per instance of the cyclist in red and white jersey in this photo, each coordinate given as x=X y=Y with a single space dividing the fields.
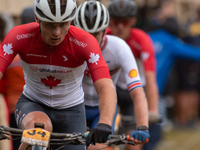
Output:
x=93 y=17
x=53 y=56
x=122 y=20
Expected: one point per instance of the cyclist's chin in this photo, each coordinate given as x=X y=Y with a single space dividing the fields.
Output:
x=54 y=43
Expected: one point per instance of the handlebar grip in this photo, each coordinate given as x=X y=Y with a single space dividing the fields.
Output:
x=128 y=139
x=147 y=140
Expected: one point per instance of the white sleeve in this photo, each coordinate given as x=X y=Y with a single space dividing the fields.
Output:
x=126 y=60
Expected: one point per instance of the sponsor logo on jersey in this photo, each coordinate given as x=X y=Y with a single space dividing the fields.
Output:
x=65 y=58
x=36 y=55
x=79 y=43
x=8 y=49
x=133 y=73
x=87 y=73
x=94 y=58
x=34 y=68
x=54 y=70
x=51 y=81
x=25 y=36
x=145 y=55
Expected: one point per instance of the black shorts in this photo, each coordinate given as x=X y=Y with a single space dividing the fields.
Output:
x=67 y=120
x=126 y=110
x=188 y=73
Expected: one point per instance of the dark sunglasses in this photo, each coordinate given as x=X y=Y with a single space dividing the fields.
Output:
x=116 y=22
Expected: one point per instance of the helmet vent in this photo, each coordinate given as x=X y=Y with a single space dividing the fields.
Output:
x=42 y=14
x=102 y=17
x=90 y=18
x=63 y=4
x=52 y=6
x=72 y=14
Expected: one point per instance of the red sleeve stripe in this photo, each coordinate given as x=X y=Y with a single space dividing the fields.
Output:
x=134 y=85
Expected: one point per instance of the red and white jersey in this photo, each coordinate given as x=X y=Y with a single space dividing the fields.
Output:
x=142 y=48
x=118 y=56
x=53 y=75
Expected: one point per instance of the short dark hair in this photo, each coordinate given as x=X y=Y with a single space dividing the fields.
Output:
x=2 y=28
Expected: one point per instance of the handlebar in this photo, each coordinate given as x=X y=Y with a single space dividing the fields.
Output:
x=70 y=138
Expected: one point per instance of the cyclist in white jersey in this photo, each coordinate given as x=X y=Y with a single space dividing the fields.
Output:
x=53 y=56
x=93 y=17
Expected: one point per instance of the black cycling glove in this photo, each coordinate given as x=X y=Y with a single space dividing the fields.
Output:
x=99 y=134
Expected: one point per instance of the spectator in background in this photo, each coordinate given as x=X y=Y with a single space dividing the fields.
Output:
x=4 y=113
x=188 y=72
x=160 y=16
x=168 y=47
x=168 y=50
x=122 y=19
x=13 y=79
x=2 y=29
x=184 y=80
x=27 y=15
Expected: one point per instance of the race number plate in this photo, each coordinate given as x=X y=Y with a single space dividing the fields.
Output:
x=36 y=136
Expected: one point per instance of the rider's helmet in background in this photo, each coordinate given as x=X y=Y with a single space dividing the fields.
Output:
x=122 y=8
x=92 y=16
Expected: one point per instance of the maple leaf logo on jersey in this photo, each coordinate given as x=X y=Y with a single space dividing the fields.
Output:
x=8 y=49
x=50 y=81
x=145 y=55
x=94 y=58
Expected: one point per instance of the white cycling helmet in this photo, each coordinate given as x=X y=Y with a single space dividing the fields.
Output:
x=92 y=16
x=55 y=10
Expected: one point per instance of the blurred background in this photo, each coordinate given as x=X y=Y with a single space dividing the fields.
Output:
x=184 y=9
x=181 y=130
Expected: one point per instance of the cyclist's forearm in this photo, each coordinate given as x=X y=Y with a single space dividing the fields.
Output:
x=152 y=92
x=140 y=106
x=107 y=101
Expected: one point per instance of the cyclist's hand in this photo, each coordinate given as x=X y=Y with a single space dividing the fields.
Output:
x=99 y=134
x=140 y=136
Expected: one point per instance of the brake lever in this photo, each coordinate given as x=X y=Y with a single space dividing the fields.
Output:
x=4 y=137
x=120 y=140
